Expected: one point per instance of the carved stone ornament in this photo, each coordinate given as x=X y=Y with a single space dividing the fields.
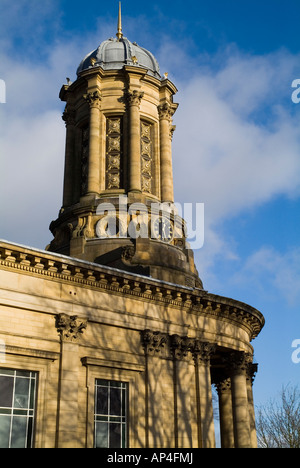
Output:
x=165 y=111
x=238 y=362
x=134 y=97
x=202 y=351
x=128 y=253
x=69 y=116
x=69 y=327
x=93 y=99
x=180 y=346
x=114 y=153
x=153 y=342
x=223 y=386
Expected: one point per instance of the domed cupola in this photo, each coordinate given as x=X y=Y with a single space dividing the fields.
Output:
x=115 y=53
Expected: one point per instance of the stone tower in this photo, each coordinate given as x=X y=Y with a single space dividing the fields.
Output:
x=118 y=201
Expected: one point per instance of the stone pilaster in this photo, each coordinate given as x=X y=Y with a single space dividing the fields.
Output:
x=70 y=329
x=154 y=344
x=182 y=382
x=202 y=352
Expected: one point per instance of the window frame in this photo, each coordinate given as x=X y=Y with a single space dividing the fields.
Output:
x=13 y=412
x=110 y=419
x=120 y=372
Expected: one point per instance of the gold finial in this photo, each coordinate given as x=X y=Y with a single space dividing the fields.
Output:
x=119 y=33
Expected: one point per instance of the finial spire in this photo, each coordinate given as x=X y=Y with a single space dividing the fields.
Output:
x=119 y=33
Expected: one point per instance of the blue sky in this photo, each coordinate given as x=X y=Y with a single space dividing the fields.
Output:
x=236 y=147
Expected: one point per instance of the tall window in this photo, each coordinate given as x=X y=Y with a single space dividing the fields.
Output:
x=111 y=420
x=17 y=408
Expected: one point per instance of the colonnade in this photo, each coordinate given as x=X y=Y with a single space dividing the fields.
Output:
x=196 y=366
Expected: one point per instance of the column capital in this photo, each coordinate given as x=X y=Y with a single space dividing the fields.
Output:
x=166 y=111
x=202 y=351
x=68 y=116
x=223 y=386
x=134 y=97
x=180 y=346
x=93 y=99
x=251 y=372
x=238 y=362
x=69 y=327
x=153 y=342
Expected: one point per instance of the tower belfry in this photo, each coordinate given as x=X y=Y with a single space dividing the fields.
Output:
x=118 y=200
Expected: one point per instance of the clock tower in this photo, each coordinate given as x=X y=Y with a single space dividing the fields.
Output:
x=118 y=200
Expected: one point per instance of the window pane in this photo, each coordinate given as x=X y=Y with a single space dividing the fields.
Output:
x=102 y=400
x=101 y=435
x=6 y=391
x=32 y=393
x=115 y=401
x=21 y=373
x=7 y=372
x=115 y=435
x=19 y=429
x=4 y=431
x=21 y=393
x=29 y=432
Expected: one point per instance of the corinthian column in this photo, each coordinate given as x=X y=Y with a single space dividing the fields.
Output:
x=166 y=112
x=225 y=411
x=94 y=100
x=134 y=99
x=238 y=365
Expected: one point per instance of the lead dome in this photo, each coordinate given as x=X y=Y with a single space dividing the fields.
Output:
x=114 y=54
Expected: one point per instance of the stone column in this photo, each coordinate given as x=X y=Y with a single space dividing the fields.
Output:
x=69 y=118
x=206 y=433
x=252 y=369
x=134 y=167
x=70 y=328
x=165 y=113
x=93 y=182
x=225 y=412
x=238 y=363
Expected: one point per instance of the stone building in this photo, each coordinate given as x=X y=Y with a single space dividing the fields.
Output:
x=108 y=338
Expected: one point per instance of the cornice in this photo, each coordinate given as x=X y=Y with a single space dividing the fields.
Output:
x=195 y=301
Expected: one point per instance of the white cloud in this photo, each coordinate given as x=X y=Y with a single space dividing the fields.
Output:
x=271 y=270
x=234 y=161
